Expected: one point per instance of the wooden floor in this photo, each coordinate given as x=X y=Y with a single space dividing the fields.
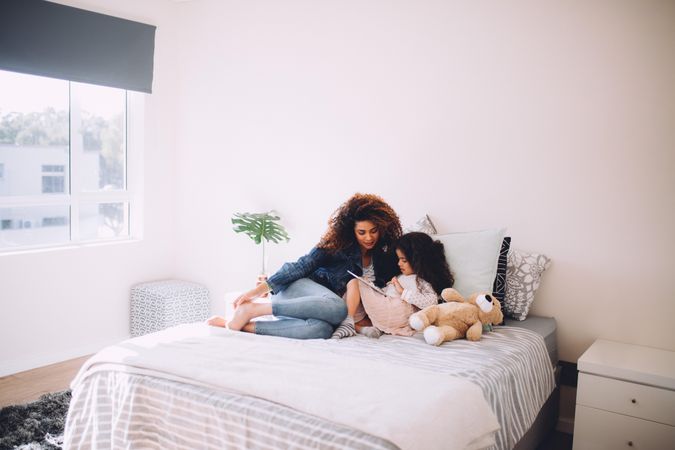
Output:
x=24 y=387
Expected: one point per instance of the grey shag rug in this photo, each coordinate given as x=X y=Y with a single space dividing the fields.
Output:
x=35 y=426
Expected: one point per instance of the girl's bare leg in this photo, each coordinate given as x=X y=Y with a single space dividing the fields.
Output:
x=352 y=300
x=353 y=297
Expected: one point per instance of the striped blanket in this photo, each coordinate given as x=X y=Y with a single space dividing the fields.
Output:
x=112 y=406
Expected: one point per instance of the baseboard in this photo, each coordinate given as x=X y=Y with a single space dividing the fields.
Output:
x=565 y=425
x=10 y=367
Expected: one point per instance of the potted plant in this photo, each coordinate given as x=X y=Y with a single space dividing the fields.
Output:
x=261 y=227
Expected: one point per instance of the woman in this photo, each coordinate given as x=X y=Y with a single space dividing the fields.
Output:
x=307 y=293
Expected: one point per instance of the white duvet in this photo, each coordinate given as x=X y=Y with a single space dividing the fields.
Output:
x=412 y=408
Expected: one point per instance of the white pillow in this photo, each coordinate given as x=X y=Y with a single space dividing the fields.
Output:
x=473 y=258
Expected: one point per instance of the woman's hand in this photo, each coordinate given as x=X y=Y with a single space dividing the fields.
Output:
x=254 y=293
x=243 y=298
x=397 y=285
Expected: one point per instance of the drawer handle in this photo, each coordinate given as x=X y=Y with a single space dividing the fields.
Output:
x=632 y=400
x=630 y=443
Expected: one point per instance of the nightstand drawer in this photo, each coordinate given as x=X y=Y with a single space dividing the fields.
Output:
x=631 y=399
x=595 y=430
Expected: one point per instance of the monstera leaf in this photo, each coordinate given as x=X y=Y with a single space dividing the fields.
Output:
x=260 y=227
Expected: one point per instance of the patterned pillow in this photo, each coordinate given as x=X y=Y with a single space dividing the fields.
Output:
x=499 y=286
x=523 y=276
x=425 y=225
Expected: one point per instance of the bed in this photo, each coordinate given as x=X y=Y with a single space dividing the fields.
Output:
x=195 y=387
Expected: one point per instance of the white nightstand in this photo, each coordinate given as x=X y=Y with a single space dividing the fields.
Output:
x=625 y=398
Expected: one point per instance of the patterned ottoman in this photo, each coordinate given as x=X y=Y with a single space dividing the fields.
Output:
x=162 y=304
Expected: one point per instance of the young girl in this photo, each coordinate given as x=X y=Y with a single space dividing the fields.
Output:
x=424 y=274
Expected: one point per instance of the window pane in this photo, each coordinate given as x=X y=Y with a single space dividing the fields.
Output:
x=102 y=112
x=34 y=121
x=104 y=220
x=34 y=225
x=53 y=185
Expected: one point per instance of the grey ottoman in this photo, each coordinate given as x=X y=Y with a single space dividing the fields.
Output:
x=163 y=304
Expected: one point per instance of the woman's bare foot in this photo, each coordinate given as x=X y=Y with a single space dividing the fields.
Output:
x=216 y=321
x=241 y=321
x=242 y=315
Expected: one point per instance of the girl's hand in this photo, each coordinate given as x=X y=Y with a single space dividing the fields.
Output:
x=397 y=285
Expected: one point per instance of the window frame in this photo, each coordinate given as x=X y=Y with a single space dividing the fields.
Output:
x=132 y=195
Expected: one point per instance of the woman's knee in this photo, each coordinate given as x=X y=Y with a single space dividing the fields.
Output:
x=337 y=311
x=319 y=329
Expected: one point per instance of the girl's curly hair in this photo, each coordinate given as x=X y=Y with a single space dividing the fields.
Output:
x=427 y=259
x=340 y=233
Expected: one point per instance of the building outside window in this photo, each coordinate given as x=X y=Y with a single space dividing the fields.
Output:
x=54 y=221
x=63 y=162
x=53 y=179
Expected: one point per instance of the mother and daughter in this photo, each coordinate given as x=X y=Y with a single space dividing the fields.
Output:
x=316 y=294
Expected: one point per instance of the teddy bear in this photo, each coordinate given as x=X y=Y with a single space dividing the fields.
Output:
x=457 y=318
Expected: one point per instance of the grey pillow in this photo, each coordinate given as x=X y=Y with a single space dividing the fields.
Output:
x=523 y=276
x=425 y=225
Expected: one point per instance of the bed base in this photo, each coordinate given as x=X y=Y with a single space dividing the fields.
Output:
x=545 y=422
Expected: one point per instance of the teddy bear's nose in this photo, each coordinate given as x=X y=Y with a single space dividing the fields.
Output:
x=489 y=298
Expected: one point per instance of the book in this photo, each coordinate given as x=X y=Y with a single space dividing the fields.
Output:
x=366 y=282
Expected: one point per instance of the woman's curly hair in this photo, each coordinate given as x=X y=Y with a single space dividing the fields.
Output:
x=340 y=233
x=427 y=259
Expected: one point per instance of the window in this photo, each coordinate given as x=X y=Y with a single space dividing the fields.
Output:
x=53 y=179
x=63 y=162
x=54 y=221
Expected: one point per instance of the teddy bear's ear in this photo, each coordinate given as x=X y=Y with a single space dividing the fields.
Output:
x=452 y=295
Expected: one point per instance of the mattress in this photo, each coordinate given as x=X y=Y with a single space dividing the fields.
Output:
x=543 y=326
x=113 y=407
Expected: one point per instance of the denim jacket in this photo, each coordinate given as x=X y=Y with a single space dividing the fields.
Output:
x=330 y=269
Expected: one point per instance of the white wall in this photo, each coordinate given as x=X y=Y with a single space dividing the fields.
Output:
x=556 y=120
x=65 y=303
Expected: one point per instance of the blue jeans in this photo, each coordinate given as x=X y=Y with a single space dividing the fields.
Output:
x=304 y=310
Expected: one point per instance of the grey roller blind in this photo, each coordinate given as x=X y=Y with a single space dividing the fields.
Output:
x=57 y=41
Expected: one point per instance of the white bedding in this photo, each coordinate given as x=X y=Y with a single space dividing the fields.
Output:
x=411 y=407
